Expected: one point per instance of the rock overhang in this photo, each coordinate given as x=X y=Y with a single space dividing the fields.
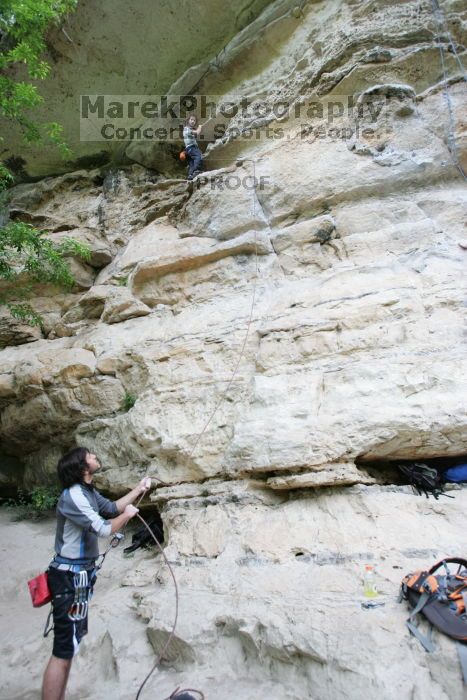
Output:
x=89 y=54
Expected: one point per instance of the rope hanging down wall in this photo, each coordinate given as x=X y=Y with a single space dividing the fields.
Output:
x=440 y=19
x=242 y=351
x=178 y=692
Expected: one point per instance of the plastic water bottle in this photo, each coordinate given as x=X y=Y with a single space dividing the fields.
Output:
x=369 y=586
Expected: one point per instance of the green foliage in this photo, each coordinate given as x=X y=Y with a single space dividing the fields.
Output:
x=122 y=281
x=25 y=314
x=23 y=25
x=129 y=401
x=35 y=504
x=28 y=257
x=44 y=498
x=6 y=178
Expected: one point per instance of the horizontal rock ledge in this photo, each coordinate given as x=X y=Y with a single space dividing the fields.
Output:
x=234 y=490
x=194 y=253
x=342 y=474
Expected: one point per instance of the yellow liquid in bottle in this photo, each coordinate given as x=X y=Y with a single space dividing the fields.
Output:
x=369 y=587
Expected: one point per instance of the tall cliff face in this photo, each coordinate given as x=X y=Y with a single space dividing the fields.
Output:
x=285 y=322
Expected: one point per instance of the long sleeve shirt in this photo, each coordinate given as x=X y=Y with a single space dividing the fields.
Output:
x=82 y=516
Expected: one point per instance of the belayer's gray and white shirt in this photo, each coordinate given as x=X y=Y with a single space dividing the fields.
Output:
x=82 y=517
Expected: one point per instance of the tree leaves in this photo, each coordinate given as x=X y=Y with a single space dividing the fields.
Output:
x=23 y=26
x=28 y=257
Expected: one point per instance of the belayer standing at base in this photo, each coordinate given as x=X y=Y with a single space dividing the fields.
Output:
x=195 y=158
x=83 y=515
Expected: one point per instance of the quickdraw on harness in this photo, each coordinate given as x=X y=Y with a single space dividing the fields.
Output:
x=83 y=594
x=442 y=599
x=114 y=542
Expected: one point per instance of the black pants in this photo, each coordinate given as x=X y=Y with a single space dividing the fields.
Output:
x=67 y=633
x=195 y=158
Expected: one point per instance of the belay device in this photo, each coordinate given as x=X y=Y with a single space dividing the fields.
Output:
x=442 y=599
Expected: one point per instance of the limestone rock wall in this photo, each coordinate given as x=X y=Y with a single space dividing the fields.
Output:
x=277 y=340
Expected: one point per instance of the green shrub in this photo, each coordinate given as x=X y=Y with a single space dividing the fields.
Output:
x=35 y=504
x=44 y=498
x=28 y=257
x=24 y=25
x=129 y=401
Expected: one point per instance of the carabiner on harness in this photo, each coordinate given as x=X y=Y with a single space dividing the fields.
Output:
x=114 y=542
x=79 y=607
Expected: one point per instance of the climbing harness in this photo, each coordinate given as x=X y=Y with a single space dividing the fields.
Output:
x=84 y=582
x=82 y=585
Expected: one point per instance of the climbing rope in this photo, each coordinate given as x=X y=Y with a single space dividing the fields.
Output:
x=172 y=632
x=221 y=398
x=441 y=20
x=451 y=137
x=176 y=693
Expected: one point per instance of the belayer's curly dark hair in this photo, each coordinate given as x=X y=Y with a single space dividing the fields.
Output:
x=71 y=467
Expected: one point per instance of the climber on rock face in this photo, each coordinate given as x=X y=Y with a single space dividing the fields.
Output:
x=190 y=131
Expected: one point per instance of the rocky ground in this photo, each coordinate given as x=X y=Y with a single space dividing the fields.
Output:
x=270 y=600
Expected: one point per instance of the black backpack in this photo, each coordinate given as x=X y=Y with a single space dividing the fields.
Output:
x=442 y=599
x=142 y=538
x=425 y=479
